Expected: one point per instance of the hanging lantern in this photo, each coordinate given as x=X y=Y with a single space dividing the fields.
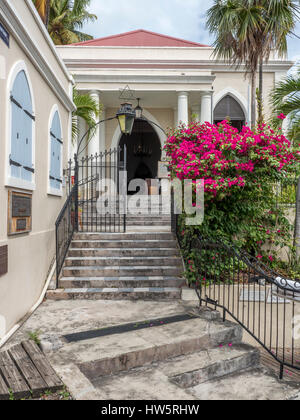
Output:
x=139 y=110
x=126 y=116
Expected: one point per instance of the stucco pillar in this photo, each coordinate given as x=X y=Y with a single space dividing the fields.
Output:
x=175 y=117
x=94 y=143
x=183 y=108
x=102 y=130
x=206 y=108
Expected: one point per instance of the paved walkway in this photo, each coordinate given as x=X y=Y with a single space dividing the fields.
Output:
x=55 y=319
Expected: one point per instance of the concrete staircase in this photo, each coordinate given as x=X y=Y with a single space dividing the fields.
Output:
x=144 y=263
x=156 y=360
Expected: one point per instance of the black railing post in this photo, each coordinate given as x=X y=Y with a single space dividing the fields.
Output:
x=57 y=255
x=125 y=197
x=76 y=194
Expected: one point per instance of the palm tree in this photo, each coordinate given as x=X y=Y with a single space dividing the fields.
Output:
x=247 y=31
x=65 y=19
x=43 y=8
x=87 y=109
x=286 y=100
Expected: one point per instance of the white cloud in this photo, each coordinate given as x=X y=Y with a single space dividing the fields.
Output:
x=183 y=19
x=171 y=17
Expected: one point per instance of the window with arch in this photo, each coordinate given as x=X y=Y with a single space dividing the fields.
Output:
x=22 y=127
x=55 y=175
x=229 y=108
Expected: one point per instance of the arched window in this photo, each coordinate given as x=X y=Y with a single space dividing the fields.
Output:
x=22 y=119
x=229 y=108
x=55 y=175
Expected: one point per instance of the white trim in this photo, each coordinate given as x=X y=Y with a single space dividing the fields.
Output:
x=20 y=184
x=9 y=180
x=48 y=39
x=15 y=25
x=50 y=190
x=163 y=80
x=217 y=97
x=162 y=137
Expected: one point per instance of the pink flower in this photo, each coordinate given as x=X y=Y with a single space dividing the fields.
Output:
x=281 y=117
x=271 y=258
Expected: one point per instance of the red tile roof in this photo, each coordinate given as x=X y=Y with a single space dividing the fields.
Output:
x=140 y=38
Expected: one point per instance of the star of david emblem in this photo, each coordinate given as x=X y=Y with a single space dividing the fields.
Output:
x=127 y=94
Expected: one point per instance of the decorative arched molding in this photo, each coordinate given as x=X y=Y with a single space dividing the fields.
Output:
x=9 y=180
x=235 y=95
x=161 y=135
x=53 y=111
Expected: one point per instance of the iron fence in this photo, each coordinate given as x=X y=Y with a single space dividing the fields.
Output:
x=96 y=199
x=65 y=227
x=98 y=176
x=264 y=303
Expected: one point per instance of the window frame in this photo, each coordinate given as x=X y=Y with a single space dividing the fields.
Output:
x=11 y=181
x=54 y=191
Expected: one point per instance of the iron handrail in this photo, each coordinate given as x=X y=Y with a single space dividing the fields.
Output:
x=65 y=226
x=226 y=278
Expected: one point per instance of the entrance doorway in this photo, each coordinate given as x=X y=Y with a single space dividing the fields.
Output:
x=229 y=108
x=143 y=151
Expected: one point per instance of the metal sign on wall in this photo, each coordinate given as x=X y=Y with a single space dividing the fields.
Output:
x=19 y=212
x=4 y=34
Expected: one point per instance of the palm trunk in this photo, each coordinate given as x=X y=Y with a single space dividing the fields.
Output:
x=253 y=100
x=260 y=94
x=47 y=13
x=297 y=224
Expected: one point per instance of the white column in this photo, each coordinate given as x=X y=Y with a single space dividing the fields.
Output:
x=73 y=142
x=102 y=131
x=206 y=107
x=183 y=108
x=83 y=150
x=175 y=117
x=94 y=143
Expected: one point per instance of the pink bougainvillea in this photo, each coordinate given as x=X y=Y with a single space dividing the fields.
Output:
x=224 y=157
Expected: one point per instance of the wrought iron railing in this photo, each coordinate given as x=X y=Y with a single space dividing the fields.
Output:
x=65 y=227
x=264 y=303
x=86 y=179
x=93 y=173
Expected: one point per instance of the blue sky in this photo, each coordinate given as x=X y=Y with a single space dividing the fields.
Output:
x=179 y=18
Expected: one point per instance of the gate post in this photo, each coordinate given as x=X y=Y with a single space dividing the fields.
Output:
x=76 y=193
x=125 y=198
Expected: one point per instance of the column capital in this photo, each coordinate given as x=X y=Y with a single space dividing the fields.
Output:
x=182 y=93
x=94 y=92
x=207 y=93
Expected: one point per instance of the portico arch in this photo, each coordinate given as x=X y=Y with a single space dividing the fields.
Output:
x=229 y=91
x=161 y=135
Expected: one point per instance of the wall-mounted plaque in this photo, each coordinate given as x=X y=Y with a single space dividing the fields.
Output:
x=19 y=212
x=163 y=170
x=3 y=260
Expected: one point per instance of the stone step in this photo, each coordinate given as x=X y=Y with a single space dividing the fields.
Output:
x=176 y=378
x=122 y=261
x=124 y=236
x=120 y=282
x=122 y=252
x=86 y=224
x=122 y=352
x=122 y=271
x=126 y=244
x=156 y=294
x=205 y=366
x=132 y=218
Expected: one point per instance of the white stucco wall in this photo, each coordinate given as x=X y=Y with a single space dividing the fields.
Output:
x=30 y=255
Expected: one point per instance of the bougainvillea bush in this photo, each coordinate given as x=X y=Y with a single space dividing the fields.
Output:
x=240 y=171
